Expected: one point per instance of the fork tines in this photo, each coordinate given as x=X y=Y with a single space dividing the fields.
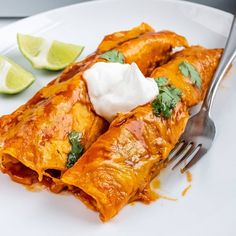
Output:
x=182 y=151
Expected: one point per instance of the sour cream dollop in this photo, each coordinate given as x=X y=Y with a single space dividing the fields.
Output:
x=118 y=88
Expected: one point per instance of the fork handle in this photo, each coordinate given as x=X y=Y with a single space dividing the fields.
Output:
x=226 y=60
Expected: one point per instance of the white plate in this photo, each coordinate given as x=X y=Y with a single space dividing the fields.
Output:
x=208 y=208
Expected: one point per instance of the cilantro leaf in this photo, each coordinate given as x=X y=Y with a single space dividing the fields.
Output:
x=76 y=148
x=190 y=72
x=161 y=81
x=113 y=56
x=167 y=99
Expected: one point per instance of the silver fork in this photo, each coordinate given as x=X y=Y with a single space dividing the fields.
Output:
x=200 y=129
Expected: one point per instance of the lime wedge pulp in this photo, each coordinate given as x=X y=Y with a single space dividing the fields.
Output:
x=13 y=78
x=45 y=54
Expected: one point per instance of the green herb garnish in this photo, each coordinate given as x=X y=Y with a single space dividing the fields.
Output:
x=76 y=148
x=113 y=56
x=167 y=99
x=161 y=81
x=190 y=72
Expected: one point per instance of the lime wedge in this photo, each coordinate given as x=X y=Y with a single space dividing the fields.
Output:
x=13 y=78
x=45 y=54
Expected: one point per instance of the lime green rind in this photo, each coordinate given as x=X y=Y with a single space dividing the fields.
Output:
x=59 y=56
x=23 y=51
x=9 y=92
x=63 y=54
x=16 y=77
x=31 y=44
x=61 y=67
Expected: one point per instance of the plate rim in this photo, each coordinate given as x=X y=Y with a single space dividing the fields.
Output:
x=92 y=2
x=89 y=5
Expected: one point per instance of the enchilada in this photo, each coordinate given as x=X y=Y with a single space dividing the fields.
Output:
x=118 y=167
x=34 y=139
